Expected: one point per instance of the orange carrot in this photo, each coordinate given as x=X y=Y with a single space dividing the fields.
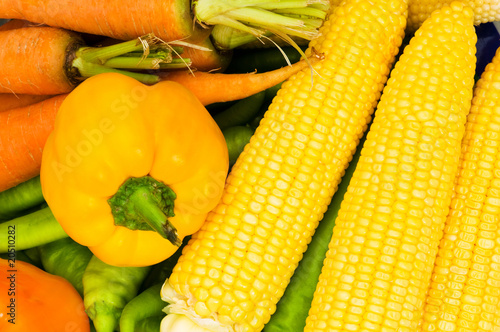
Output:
x=22 y=138
x=25 y=130
x=209 y=58
x=219 y=87
x=9 y=100
x=28 y=67
x=15 y=24
x=123 y=19
x=47 y=60
x=202 y=56
x=187 y=20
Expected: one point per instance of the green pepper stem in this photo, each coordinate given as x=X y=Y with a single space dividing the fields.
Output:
x=146 y=206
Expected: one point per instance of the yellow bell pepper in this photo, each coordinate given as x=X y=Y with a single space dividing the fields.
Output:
x=130 y=170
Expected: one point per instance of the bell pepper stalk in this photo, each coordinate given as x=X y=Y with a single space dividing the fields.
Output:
x=130 y=169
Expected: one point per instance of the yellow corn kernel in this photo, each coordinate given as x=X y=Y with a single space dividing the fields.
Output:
x=419 y=10
x=283 y=181
x=465 y=289
x=385 y=240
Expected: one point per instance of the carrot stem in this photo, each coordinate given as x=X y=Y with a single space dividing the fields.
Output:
x=134 y=63
x=88 y=69
x=94 y=54
x=146 y=52
x=126 y=62
x=180 y=63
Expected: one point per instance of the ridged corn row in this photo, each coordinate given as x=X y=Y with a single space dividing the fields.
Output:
x=379 y=263
x=465 y=289
x=235 y=269
x=419 y=10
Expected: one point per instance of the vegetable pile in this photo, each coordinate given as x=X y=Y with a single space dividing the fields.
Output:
x=246 y=166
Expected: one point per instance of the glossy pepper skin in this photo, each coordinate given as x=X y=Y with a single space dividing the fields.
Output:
x=34 y=300
x=112 y=128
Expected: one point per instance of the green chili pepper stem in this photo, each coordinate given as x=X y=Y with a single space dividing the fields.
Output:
x=146 y=304
x=31 y=230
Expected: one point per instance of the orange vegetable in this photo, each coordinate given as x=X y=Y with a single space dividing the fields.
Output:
x=26 y=129
x=22 y=138
x=34 y=300
x=15 y=24
x=219 y=87
x=10 y=101
x=59 y=60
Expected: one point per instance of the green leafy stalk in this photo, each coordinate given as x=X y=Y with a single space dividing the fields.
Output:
x=143 y=53
x=260 y=19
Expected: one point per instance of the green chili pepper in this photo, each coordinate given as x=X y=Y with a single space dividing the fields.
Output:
x=107 y=289
x=67 y=259
x=22 y=197
x=293 y=307
x=145 y=305
x=31 y=230
x=236 y=139
x=241 y=112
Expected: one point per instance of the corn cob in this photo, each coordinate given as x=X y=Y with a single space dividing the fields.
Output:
x=419 y=10
x=235 y=269
x=465 y=285
x=385 y=240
